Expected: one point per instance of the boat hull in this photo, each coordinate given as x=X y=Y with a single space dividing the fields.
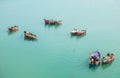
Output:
x=29 y=35
x=12 y=28
x=78 y=32
x=93 y=65
x=52 y=22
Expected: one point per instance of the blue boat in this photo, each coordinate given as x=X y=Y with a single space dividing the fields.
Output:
x=94 y=59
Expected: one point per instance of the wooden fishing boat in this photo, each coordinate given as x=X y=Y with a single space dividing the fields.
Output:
x=13 y=28
x=30 y=35
x=108 y=58
x=52 y=22
x=78 y=32
x=94 y=59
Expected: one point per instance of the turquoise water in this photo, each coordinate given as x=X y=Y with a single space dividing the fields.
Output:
x=55 y=53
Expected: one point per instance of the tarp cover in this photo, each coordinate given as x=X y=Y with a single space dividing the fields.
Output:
x=95 y=54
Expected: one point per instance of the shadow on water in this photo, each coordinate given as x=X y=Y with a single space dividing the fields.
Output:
x=28 y=39
x=94 y=68
x=104 y=66
x=51 y=25
x=10 y=32
x=78 y=36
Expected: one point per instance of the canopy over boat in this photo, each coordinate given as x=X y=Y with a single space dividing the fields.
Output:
x=96 y=54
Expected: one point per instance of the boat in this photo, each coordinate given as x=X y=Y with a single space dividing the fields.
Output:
x=53 y=22
x=108 y=58
x=94 y=59
x=29 y=35
x=74 y=32
x=78 y=32
x=46 y=21
x=13 y=28
x=81 y=32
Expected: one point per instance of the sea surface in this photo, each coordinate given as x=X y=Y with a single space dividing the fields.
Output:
x=55 y=53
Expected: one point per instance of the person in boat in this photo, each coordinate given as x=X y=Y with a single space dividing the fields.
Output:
x=108 y=54
x=26 y=32
x=112 y=56
x=15 y=26
x=97 y=61
x=103 y=57
x=92 y=60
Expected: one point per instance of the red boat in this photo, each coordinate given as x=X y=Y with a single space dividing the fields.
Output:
x=52 y=22
x=78 y=32
x=108 y=58
x=13 y=28
x=81 y=32
x=30 y=35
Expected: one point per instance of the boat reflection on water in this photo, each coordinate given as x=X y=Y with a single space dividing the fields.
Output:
x=12 y=32
x=50 y=26
x=94 y=68
x=78 y=36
